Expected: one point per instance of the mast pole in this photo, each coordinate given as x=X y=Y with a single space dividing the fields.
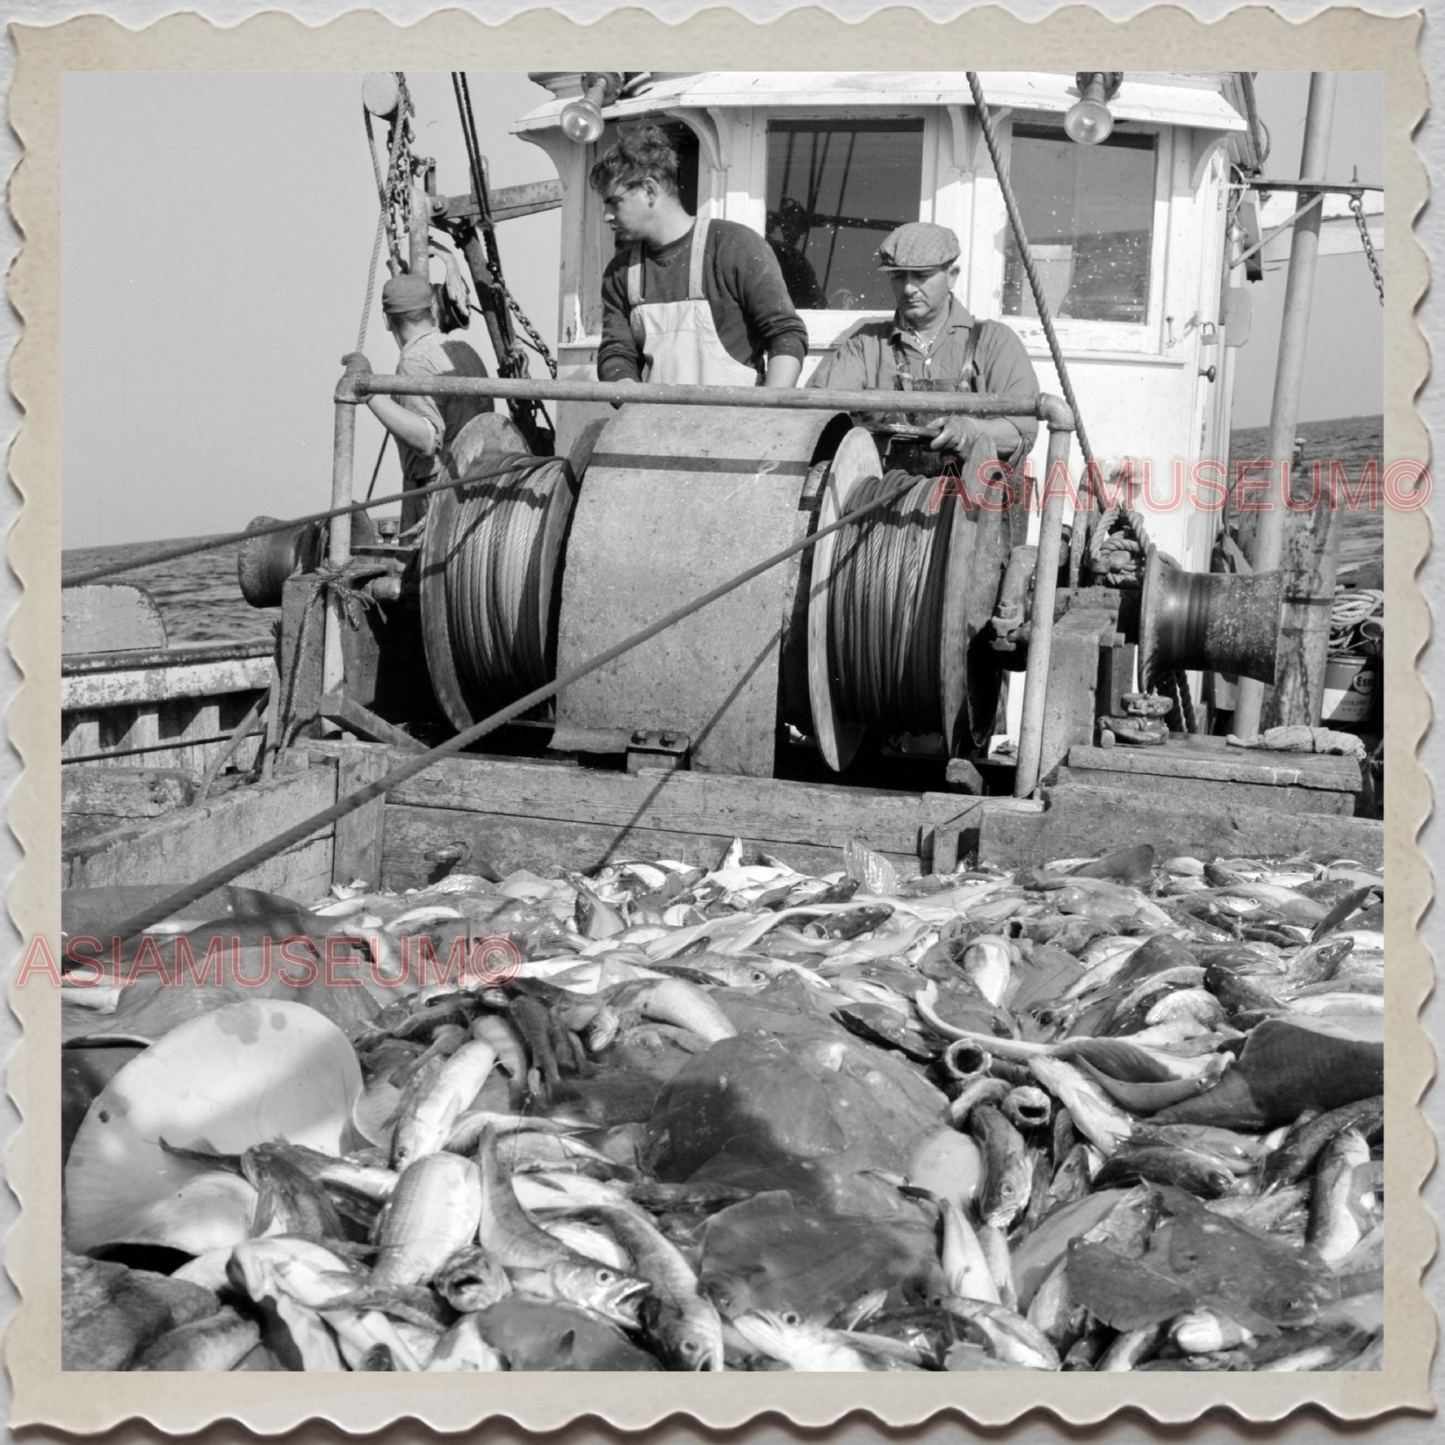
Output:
x=1296 y=686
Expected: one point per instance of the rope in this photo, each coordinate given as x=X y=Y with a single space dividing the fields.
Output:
x=371 y=283
x=1026 y=256
x=886 y=608
x=183 y=897
x=1352 y=607
x=230 y=539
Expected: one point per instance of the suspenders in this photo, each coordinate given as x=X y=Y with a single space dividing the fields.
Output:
x=694 y=268
x=904 y=380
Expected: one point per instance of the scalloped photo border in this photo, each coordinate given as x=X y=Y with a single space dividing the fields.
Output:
x=1165 y=37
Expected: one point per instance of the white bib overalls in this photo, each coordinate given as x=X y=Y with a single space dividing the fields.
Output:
x=679 y=343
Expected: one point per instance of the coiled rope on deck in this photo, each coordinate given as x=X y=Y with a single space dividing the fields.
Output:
x=886 y=610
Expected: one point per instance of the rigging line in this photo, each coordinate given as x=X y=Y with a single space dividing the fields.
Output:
x=985 y=121
x=183 y=897
x=842 y=191
x=376 y=470
x=228 y=539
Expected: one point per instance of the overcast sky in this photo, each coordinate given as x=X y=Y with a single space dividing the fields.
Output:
x=217 y=231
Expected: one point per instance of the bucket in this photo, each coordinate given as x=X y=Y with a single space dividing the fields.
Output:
x=1349 y=689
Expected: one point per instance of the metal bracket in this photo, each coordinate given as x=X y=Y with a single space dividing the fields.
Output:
x=647 y=748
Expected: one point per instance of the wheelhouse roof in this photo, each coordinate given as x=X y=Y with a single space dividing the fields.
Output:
x=1195 y=100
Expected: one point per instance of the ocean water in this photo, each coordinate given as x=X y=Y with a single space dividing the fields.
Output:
x=1354 y=441
x=201 y=601
x=198 y=596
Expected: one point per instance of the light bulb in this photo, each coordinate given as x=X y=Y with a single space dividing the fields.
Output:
x=1089 y=122
x=582 y=122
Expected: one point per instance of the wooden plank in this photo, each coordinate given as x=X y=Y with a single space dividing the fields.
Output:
x=125 y=792
x=340 y=708
x=508 y=842
x=710 y=804
x=1214 y=758
x=188 y=844
x=109 y=617
x=1084 y=822
x=1208 y=790
x=357 y=852
x=509 y=202
x=156 y=684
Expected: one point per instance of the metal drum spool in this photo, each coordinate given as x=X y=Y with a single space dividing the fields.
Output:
x=490 y=571
x=264 y=563
x=975 y=540
x=677 y=501
x=1220 y=621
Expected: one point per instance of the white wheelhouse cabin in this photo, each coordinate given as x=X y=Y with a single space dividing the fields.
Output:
x=1131 y=237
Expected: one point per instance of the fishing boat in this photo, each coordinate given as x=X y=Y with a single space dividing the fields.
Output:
x=1113 y=221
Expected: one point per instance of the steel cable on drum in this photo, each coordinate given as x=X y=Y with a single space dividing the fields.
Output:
x=886 y=608
x=493 y=571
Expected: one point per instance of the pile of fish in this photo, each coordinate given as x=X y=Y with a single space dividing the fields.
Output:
x=1110 y=1114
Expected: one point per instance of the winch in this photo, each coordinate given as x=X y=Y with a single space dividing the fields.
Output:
x=892 y=636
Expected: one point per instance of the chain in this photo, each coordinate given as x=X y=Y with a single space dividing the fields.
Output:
x=538 y=345
x=1357 y=205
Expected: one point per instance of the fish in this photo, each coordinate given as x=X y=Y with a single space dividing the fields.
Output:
x=1190 y=1169
x=432 y=1103
x=805 y=1345
x=1010 y=1336
x=1334 y=1228
x=538 y=1263
x=1008 y=1175
x=1292 y=1160
x=686 y=1326
x=464 y=1347
x=433 y=1212
x=965 y=1265
x=1207 y=1331
x=1026 y=1107
x=218 y=1342
x=1097 y=1117
x=675 y=1001
x=288 y=1199
x=470 y=1279
x=1284 y=1068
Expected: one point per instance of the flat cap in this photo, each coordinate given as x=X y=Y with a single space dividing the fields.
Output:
x=918 y=246
x=404 y=294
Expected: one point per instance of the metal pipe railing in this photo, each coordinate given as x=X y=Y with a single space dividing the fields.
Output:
x=354 y=387
x=1041 y=637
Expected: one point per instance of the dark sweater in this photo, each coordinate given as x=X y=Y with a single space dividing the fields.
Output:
x=754 y=318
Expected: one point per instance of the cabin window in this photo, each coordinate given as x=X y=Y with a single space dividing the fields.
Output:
x=835 y=189
x=1088 y=214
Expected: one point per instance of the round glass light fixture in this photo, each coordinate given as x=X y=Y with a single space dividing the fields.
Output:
x=582 y=119
x=1088 y=121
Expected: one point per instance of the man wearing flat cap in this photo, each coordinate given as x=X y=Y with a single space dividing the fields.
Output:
x=423 y=426
x=932 y=343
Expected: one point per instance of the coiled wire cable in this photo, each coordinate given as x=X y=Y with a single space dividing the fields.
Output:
x=886 y=612
x=494 y=561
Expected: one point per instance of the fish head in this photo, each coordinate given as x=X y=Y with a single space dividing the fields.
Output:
x=599 y=1287
x=691 y=1340
x=781 y=1334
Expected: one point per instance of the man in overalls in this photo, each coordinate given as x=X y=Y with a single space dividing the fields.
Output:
x=931 y=343
x=684 y=301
